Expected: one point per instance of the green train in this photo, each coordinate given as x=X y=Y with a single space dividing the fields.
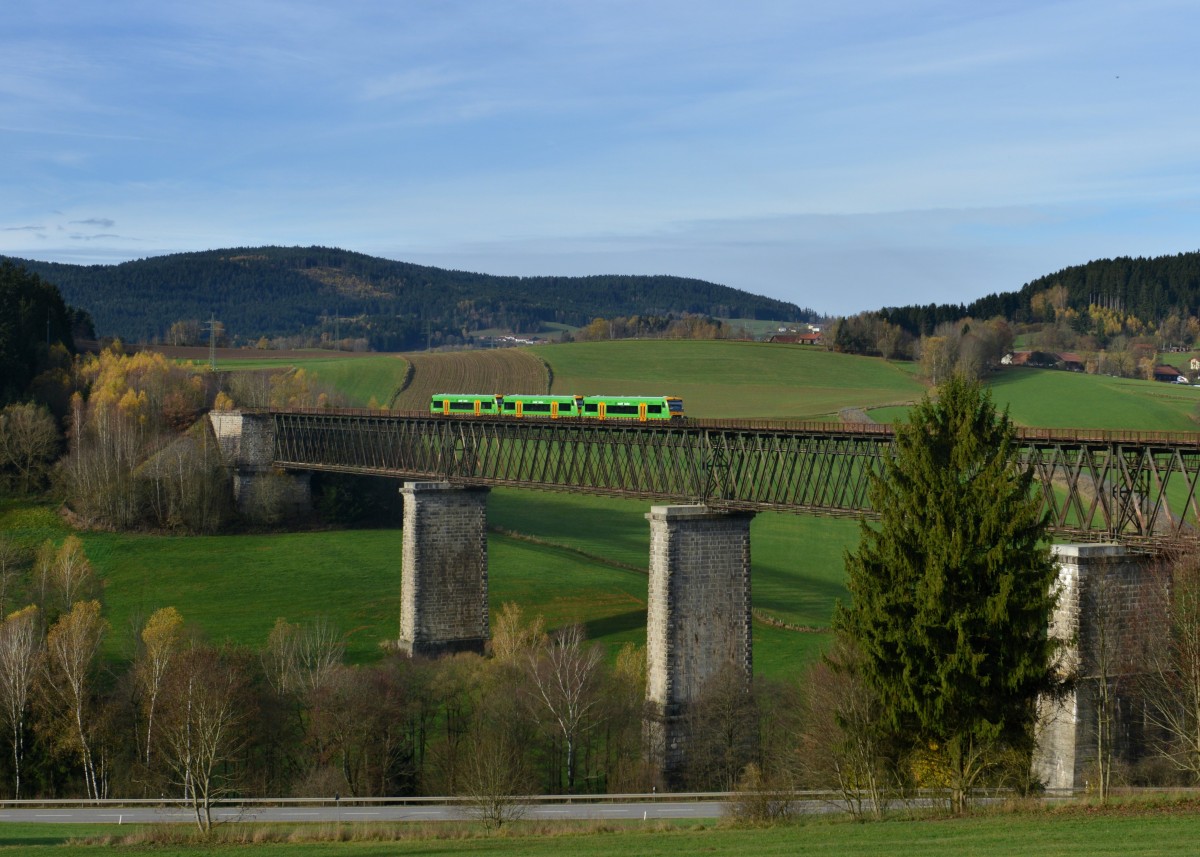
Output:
x=640 y=408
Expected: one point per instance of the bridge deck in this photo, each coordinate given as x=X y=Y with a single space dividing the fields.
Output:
x=1135 y=487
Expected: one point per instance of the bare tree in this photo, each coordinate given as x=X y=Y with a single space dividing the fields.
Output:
x=300 y=658
x=563 y=683
x=1170 y=675
x=21 y=650
x=496 y=776
x=512 y=638
x=723 y=723
x=72 y=575
x=360 y=730
x=201 y=725
x=29 y=443
x=842 y=744
x=73 y=644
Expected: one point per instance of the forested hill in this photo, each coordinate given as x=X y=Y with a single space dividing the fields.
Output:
x=1149 y=289
x=285 y=291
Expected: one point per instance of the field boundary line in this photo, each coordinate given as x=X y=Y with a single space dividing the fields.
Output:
x=571 y=549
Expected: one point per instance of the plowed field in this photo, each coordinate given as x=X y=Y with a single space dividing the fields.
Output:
x=502 y=370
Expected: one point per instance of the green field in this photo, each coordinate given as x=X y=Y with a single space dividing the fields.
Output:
x=1047 y=833
x=359 y=379
x=727 y=379
x=1046 y=398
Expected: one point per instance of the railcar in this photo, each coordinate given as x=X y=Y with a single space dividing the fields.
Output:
x=524 y=406
x=642 y=408
x=465 y=404
x=541 y=406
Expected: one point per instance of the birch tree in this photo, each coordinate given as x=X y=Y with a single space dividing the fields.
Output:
x=21 y=651
x=73 y=644
x=162 y=639
x=201 y=723
x=563 y=685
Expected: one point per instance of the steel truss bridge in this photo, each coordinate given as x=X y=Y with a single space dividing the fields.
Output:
x=1135 y=487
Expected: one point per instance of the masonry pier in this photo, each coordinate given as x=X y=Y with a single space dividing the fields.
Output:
x=444 y=583
x=698 y=619
x=1101 y=587
x=247 y=443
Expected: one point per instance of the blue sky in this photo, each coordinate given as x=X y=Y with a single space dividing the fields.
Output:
x=844 y=156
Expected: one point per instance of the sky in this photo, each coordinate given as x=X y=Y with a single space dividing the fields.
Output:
x=841 y=156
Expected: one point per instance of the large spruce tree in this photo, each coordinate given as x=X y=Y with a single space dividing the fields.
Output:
x=951 y=593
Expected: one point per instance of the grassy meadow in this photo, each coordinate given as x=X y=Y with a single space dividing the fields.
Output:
x=1046 y=398
x=359 y=378
x=728 y=379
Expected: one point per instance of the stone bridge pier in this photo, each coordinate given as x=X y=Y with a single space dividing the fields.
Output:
x=698 y=620
x=1100 y=588
x=247 y=443
x=444 y=582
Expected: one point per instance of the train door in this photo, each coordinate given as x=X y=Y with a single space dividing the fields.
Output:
x=478 y=407
x=600 y=409
x=554 y=410
x=446 y=406
x=641 y=412
x=520 y=408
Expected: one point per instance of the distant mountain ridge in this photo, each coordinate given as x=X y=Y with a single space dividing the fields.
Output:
x=286 y=291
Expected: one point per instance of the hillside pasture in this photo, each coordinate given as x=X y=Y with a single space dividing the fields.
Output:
x=359 y=380
x=1048 y=398
x=494 y=370
x=1051 y=399
x=729 y=379
x=358 y=377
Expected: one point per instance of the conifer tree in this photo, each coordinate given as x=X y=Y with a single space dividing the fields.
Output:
x=951 y=593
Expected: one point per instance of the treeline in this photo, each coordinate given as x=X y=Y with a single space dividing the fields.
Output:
x=671 y=326
x=37 y=330
x=1141 y=292
x=968 y=347
x=323 y=292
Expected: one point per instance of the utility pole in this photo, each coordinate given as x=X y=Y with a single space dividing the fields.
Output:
x=213 y=327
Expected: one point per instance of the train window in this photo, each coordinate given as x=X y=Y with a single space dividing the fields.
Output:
x=623 y=410
x=537 y=407
x=675 y=405
x=589 y=408
x=437 y=403
x=510 y=406
x=654 y=409
x=462 y=406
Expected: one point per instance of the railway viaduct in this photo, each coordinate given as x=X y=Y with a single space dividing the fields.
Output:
x=1118 y=496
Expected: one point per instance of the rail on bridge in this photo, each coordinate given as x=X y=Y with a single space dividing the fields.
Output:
x=1134 y=487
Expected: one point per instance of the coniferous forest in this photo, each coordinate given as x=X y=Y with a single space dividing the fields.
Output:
x=288 y=291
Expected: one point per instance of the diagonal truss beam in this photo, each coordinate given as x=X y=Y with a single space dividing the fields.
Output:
x=1139 y=488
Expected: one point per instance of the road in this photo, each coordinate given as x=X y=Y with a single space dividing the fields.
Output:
x=334 y=812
